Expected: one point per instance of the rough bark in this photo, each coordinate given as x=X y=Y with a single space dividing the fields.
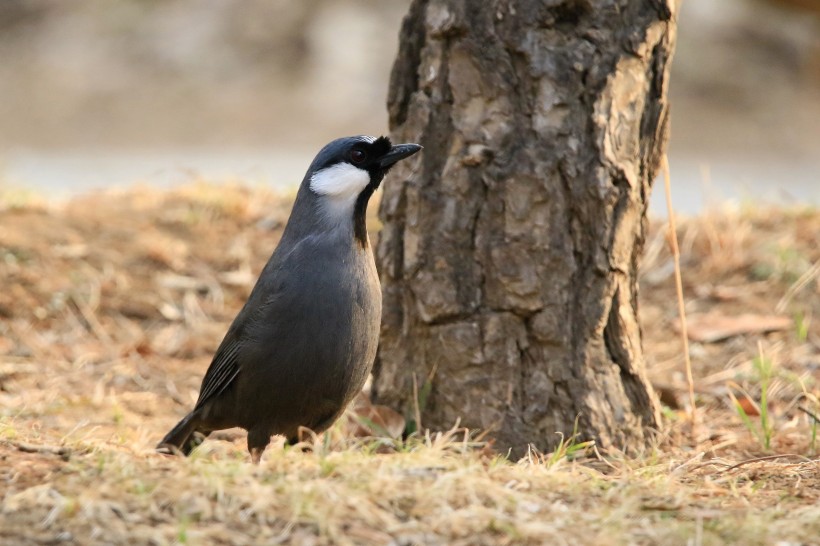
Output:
x=510 y=249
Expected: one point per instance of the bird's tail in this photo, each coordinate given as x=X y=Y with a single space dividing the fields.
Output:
x=183 y=437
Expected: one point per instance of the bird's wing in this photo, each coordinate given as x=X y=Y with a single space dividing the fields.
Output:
x=223 y=370
x=264 y=297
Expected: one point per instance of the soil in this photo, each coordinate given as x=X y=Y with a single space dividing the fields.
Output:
x=112 y=305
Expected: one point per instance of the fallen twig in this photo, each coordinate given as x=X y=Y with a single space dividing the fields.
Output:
x=809 y=413
x=62 y=451
x=766 y=458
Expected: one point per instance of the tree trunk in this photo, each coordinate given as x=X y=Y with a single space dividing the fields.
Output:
x=510 y=249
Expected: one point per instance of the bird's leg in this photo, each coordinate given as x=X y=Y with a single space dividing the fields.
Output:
x=296 y=439
x=256 y=454
x=257 y=442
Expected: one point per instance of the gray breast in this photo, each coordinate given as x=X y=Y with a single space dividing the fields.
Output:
x=308 y=350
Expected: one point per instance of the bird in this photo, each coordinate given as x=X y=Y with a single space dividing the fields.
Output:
x=302 y=346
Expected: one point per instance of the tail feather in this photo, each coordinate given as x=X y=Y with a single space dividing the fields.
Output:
x=182 y=437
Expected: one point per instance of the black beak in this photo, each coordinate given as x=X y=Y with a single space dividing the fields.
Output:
x=397 y=153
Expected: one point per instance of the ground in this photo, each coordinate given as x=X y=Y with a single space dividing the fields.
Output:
x=112 y=305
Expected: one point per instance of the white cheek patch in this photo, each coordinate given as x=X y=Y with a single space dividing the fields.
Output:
x=340 y=180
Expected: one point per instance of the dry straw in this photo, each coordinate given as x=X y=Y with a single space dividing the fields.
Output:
x=673 y=241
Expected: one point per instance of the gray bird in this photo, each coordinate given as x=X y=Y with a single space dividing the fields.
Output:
x=302 y=346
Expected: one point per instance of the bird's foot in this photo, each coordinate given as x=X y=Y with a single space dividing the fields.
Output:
x=296 y=441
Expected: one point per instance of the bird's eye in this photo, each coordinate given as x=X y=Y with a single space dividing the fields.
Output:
x=358 y=156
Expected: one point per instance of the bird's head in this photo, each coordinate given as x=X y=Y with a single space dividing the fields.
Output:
x=346 y=172
x=348 y=166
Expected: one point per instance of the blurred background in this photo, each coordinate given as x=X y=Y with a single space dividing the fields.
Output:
x=95 y=94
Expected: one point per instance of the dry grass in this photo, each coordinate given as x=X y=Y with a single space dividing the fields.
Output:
x=112 y=305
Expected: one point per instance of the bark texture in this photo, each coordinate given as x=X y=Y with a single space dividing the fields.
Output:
x=510 y=249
